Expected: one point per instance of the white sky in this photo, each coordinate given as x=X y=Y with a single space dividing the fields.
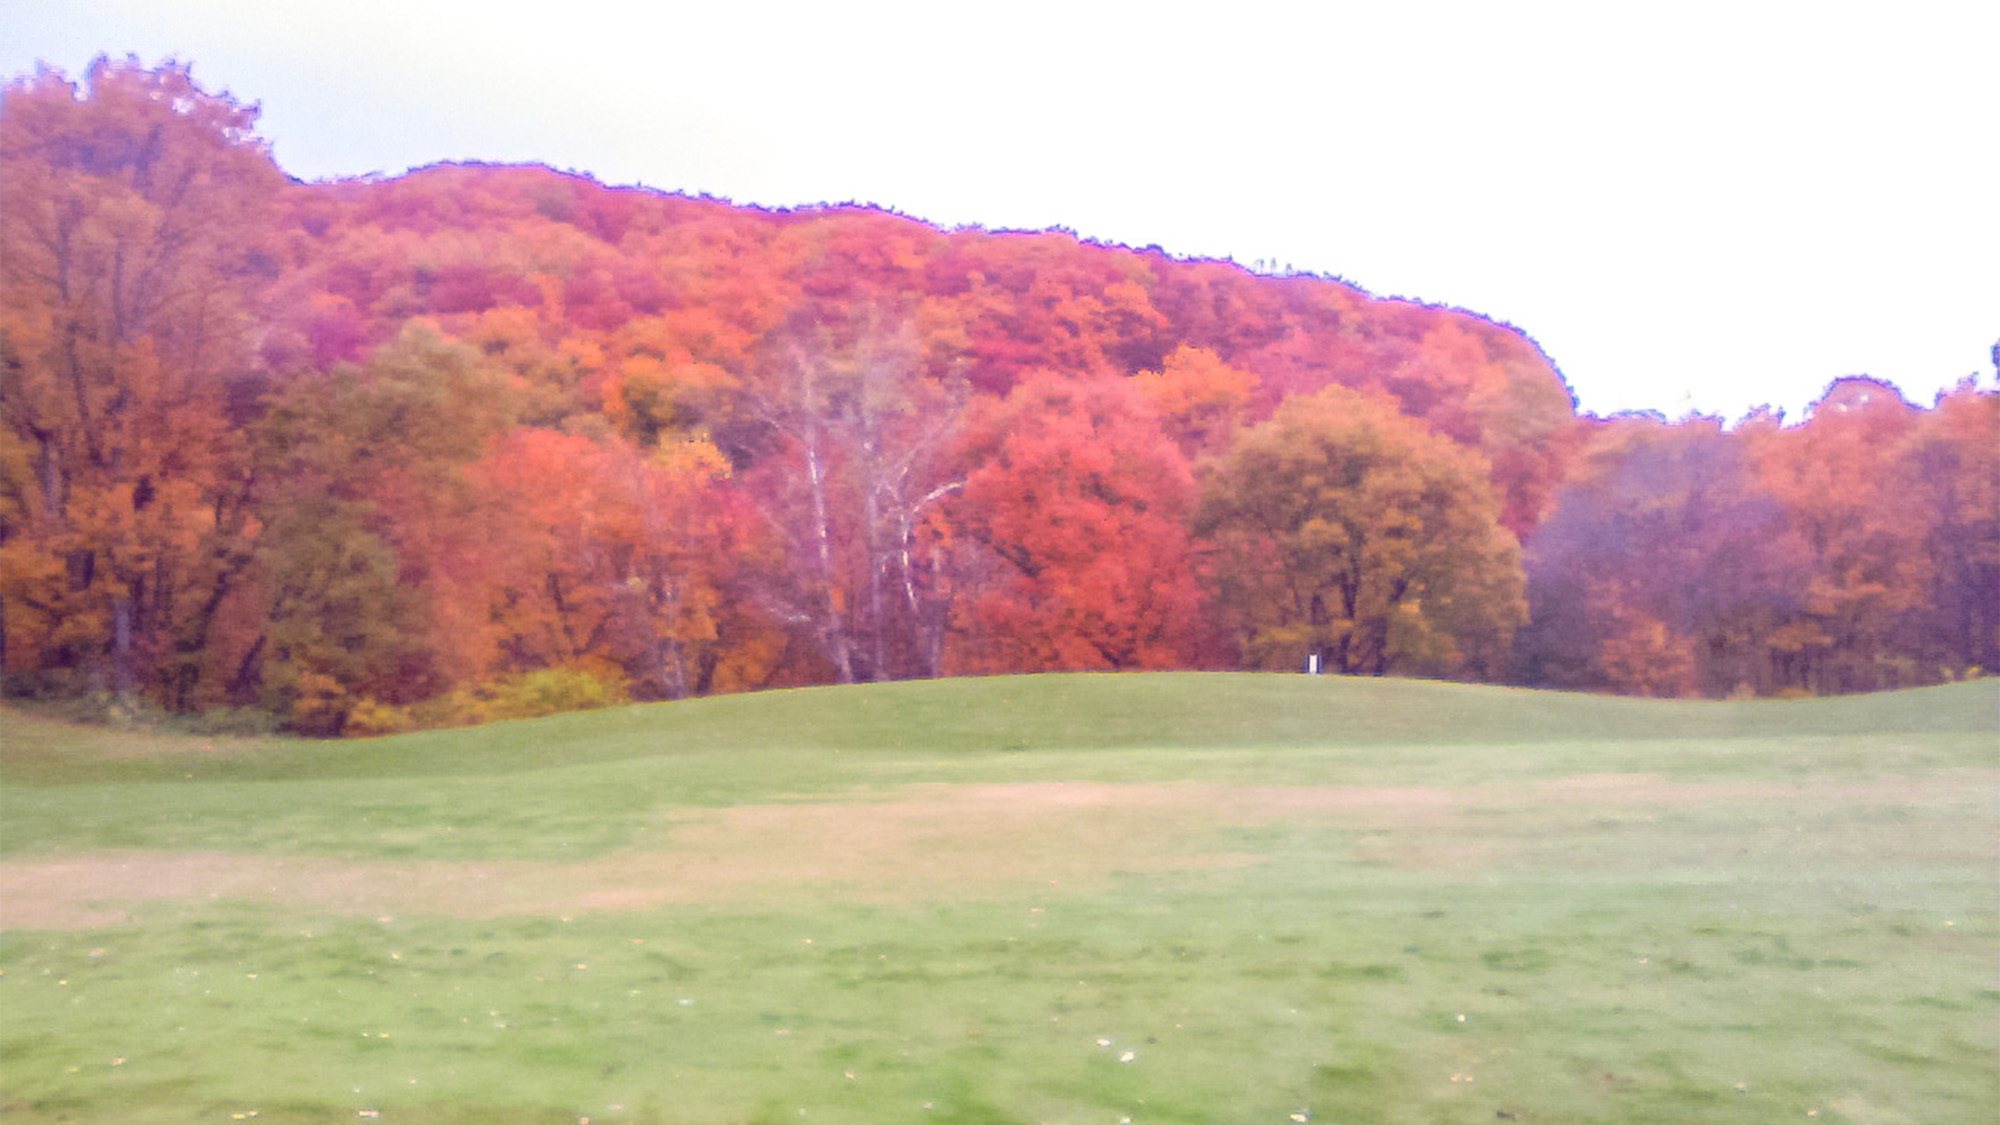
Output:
x=1691 y=205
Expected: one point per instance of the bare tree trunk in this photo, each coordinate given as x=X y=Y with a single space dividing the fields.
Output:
x=121 y=645
x=833 y=624
x=660 y=604
x=667 y=657
x=51 y=474
x=928 y=633
x=247 y=672
x=878 y=613
x=864 y=426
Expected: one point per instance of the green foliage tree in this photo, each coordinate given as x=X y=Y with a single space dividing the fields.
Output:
x=340 y=626
x=362 y=556
x=1344 y=528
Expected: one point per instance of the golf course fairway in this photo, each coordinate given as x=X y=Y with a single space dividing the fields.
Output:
x=1192 y=898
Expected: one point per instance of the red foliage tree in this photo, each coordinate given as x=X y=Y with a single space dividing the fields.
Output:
x=1078 y=506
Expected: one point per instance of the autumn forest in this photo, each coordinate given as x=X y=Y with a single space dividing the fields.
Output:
x=484 y=441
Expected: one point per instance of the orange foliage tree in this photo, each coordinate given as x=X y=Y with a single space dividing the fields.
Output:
x=1948 y=471
x=1201 y=400
x=621 y=562
x=130 y=260
x=1893 y=508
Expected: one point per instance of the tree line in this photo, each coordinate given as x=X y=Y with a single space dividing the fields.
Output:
x=481 y=441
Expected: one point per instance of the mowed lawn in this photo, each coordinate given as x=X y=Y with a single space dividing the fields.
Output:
x=1076 y=899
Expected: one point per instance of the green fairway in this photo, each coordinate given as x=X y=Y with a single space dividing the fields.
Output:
x=1162 y=898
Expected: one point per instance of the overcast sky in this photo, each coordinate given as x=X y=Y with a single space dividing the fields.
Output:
x=1689 y=206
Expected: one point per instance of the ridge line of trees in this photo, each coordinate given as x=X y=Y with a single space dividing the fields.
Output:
x=483 y=441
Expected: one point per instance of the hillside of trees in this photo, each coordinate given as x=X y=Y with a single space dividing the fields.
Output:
x=481 y=441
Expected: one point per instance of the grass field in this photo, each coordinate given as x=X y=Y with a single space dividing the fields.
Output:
x=1162 y=898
